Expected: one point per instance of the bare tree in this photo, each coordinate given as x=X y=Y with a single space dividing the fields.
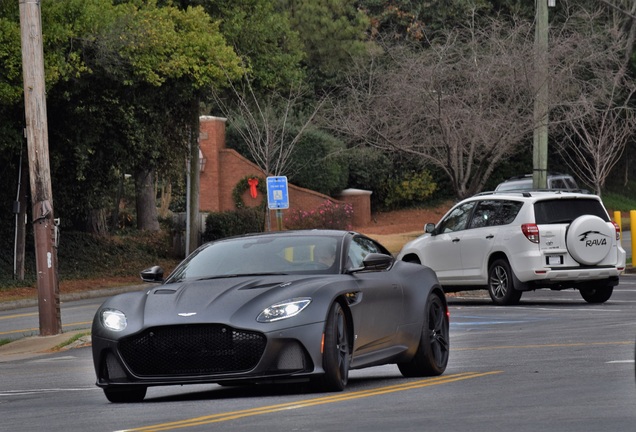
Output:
x=270 y=126
x=463 y=105
x=595 y=94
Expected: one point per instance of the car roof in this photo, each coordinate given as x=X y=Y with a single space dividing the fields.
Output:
x=535 y=194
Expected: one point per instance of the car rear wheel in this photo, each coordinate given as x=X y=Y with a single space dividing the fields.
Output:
x=125 y=394
x=336 y=355
x=500 y=284
x=432 y=353
x=596 y=295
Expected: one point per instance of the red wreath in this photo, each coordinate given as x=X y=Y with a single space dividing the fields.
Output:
x=253 y=182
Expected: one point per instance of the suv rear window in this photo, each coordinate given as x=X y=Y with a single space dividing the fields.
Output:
x=566 y=210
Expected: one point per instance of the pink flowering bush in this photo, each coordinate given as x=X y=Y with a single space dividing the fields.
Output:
x=328 y=215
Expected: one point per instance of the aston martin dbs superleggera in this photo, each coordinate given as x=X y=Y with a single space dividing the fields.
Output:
x=291 y=305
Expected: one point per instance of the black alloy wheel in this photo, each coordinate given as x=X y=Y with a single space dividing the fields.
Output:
x=433 y=351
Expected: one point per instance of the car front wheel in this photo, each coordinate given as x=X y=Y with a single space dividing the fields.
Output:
x=500 y=284
x=336 y=355
x=432 y=353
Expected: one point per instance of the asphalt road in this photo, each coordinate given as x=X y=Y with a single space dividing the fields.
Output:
x=552 y=363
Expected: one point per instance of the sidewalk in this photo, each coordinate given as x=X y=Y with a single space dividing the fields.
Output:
x=35 y=346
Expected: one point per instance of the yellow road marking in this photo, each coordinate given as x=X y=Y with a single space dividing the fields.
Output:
x=221 y=417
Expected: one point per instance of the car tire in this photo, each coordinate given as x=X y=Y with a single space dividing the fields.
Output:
x=596 y=295
x=501 y=284
x=125 y=394
x=336 y=355
x=432 y=354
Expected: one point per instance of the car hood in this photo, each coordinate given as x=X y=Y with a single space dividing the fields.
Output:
x=235 y=301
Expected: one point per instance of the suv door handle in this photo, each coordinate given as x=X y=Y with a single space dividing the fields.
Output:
x=455 y=240
x=489 y=236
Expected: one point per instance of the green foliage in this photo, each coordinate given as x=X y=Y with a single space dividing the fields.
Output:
x=614 y=201
x=10 y=60
x=318 y=163
x=82 y=255
x=413 y=187
x=233 y=222
x=332 y=31
x=328 y=215
x=370 y=169
x=262 y=36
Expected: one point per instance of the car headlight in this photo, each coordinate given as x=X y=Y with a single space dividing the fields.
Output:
x=283 y=310
x=113 y=319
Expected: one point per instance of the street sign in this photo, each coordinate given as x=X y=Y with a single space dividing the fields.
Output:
x=277 y=195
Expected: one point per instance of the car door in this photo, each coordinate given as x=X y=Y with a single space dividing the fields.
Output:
x=380 y=312
x=443 y=248
x=482 y=234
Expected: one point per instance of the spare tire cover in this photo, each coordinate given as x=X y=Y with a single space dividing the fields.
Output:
x=589 y=239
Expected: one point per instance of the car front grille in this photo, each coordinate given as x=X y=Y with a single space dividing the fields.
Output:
x=192 y=350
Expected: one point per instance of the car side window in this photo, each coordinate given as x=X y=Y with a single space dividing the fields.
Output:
x=507 y=212
x=494 y=213
x=457 y=219
x=484 y=214
x=359 y=248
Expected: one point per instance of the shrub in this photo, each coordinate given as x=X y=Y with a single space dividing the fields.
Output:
x=328 y=215
x=233 y=222
x=412 y=188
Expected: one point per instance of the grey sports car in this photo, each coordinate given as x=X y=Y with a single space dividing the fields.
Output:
x=291 y=305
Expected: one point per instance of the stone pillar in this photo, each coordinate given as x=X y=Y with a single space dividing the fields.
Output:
x=360 y=200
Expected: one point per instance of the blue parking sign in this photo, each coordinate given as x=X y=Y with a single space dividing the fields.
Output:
x=277 y=195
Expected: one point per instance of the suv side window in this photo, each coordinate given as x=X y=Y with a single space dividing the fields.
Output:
x=495 y=212
x=457 y=219
x=566 y=210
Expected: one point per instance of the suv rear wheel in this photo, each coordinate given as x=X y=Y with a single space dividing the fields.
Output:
x=500 y=284
x=597 y=295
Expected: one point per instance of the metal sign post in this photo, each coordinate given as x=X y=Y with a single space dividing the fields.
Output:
x=277 y=197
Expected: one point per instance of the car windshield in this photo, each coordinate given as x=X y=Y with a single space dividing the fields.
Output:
x=261 y=255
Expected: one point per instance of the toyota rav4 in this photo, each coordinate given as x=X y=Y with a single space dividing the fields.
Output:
x=513 y=242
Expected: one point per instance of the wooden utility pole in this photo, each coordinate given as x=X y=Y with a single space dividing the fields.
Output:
x=39 y=169
x=541 y=101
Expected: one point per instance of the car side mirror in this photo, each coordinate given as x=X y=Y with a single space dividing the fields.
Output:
x=152 y=274
x=429 y=228
x=376 y=261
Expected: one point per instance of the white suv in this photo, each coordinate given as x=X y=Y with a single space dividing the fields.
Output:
x=512 y=242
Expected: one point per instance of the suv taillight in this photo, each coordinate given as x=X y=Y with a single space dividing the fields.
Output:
x=618 y=231
x=531 y=231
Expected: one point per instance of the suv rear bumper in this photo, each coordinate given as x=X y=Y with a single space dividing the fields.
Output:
x=571 y=278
